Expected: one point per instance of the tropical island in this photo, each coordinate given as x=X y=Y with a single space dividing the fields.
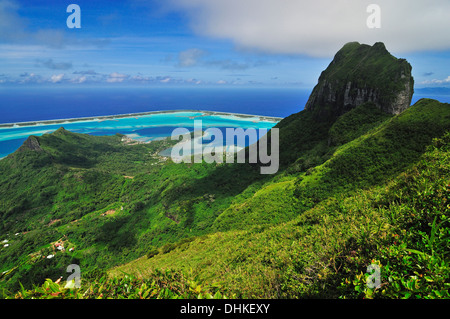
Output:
x=363 y=181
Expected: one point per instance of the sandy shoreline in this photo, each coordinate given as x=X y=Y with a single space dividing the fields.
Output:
x=117 y=116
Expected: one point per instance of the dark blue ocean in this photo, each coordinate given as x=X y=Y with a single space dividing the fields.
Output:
x=36 y=104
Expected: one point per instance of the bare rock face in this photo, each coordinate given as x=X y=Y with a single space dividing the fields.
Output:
x=31 y=143
x=359 y=74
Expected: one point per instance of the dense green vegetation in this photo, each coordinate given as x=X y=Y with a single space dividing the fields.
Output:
x=355 y=123
x=110 y=201
x=401 y=225
x=161 y=285
x=378 y=195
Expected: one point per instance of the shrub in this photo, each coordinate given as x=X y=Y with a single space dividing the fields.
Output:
x=152 y=252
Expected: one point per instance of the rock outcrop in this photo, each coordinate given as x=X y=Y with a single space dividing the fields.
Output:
x=31 y=143
x=358 y=74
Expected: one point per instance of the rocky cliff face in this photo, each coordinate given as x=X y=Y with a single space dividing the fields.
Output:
x=361 y=73
x=31 y=143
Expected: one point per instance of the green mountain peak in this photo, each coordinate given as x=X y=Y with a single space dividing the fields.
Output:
x=61 y=130
x=360 y=73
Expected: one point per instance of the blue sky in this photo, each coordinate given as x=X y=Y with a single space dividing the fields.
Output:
x=258 y=43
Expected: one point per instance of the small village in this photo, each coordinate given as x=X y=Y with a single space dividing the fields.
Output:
x=52 y=250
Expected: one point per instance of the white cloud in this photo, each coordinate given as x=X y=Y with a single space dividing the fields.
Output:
x=140 y=78
x=165 y=79
x=80 y=79
x=116 y=77
x=436 y=81
x=56 y=78
x=190 y=57
x=320 y=27
x=193 y=81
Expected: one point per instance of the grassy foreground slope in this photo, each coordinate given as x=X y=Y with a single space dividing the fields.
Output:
x=391 y=210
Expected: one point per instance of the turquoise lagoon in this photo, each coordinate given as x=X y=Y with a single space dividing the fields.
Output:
x=140 y=126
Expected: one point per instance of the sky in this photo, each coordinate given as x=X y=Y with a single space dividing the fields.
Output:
x=237 y=43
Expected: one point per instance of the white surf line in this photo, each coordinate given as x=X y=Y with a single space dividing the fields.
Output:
x=130 y=115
